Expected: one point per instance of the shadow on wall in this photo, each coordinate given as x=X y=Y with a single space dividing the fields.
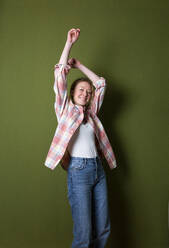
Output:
x=115 y=102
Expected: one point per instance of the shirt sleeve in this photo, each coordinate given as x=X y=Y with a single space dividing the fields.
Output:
x=100 y=88
x=60 y=88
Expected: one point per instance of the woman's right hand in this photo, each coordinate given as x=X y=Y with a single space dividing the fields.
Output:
x=73 y=63
x=73 y=35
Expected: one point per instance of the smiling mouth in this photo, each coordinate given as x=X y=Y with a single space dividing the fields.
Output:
x=84 y=99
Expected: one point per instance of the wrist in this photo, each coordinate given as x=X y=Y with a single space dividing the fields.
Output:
x=79 y=65
x=68 y=44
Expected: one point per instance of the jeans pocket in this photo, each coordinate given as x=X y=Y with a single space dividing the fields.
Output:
x=77 y=164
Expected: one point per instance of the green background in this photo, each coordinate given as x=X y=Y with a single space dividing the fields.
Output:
x=125 y=41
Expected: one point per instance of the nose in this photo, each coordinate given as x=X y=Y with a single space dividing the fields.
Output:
x=85 y=93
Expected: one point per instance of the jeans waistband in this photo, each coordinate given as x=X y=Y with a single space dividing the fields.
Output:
x=84 y=159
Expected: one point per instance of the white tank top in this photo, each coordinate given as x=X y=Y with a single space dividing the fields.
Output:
x=82 y=143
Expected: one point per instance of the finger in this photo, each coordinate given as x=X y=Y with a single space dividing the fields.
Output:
x=70 y=61
x=72 y=29
x=77 y=34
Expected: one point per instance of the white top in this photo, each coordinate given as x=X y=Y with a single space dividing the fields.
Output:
x=82 y=144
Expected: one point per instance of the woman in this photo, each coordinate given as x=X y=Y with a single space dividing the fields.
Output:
x=77 y=143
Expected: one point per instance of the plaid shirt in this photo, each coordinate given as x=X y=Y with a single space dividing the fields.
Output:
x=70 y=116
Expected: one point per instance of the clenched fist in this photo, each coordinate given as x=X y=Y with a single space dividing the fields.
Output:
x=73 y=63
x=73 y=35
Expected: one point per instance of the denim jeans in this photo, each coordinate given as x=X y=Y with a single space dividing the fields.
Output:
x=87 y=194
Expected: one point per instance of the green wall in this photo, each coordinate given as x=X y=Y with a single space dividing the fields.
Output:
x=127 y=42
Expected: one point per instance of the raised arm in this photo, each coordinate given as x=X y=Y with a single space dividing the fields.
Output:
x=72 y=37
x=98 y=82
x=74 y=63
x=61 y=70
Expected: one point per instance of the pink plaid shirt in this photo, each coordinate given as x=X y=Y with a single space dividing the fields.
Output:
x=70 y=116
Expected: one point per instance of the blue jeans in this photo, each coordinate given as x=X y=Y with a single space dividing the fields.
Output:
x=87 y=194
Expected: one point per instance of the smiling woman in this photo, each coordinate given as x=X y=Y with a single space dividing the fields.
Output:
x=78 y=141
x=82 y=88
x=82 y=93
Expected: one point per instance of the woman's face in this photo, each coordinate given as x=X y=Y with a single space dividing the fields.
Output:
x=82 y=93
